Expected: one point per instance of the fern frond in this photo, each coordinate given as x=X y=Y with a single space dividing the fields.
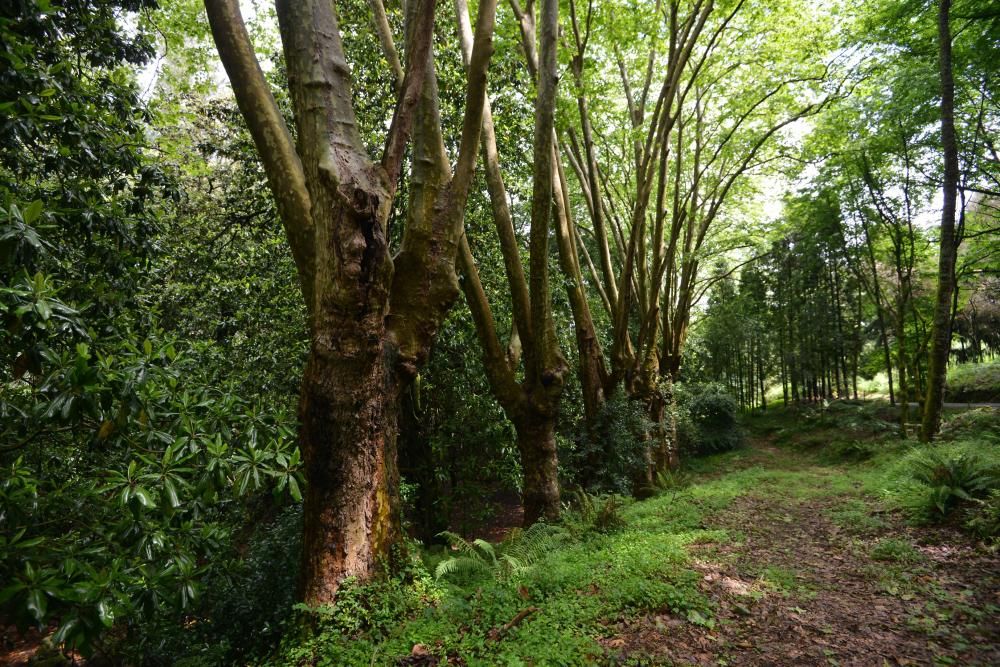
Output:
x=461 y=566
x=486 y=549
x=459 y=543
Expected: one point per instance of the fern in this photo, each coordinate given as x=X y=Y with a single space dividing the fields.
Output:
x=479 y=558
x=669 y=481
x=596 y=513
x=953 y=479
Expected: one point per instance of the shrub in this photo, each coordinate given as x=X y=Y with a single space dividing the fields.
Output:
x=707 y=419
x=974 y=382
x=606 y=456
x=929 y=483
x=972 y=423
x=985 y=517
x=243 y=607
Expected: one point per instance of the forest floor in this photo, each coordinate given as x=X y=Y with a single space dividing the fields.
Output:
x=813 y=571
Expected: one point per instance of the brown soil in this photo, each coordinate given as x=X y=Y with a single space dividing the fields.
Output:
x=834 y=604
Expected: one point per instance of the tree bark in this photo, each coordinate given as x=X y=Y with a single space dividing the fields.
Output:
x=941 y=327
x=372 y=321
x=536 y=442
x=348 y=441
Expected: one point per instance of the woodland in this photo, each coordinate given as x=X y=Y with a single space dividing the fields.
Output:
x=524 y=332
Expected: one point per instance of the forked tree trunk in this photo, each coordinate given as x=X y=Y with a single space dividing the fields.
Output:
x=372 y=321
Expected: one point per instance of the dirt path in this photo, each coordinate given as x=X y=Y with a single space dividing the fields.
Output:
x=814 y=579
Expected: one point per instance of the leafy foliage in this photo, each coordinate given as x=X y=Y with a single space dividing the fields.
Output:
x=985 y=518
x=503 y=561
x=594 y=513
x=606 y=453
x=708 y=420
x=936 y=481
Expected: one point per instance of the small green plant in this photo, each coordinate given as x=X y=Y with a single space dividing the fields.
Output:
x=894 y=550
x=374 y=608
x=952 y=479
x=669 y=482
x=781 y=580
x=479 y=558
x=855 y=516
x=984 y=521
x=853 y=451
x=601 y=514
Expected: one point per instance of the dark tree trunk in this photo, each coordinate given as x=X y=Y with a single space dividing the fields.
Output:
x=348 y=441
x=536 y=442
x=941 y=330
x=418 y=466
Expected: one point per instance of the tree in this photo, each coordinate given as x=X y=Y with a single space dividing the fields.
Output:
x=372 y=317
x=678 y=155
x=948 y=242
x=532 y=404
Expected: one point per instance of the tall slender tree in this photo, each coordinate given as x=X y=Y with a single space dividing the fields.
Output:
x=948 y=246
x=531 y=404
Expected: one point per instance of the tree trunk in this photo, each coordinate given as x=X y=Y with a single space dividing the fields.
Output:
x=369 y=333
x=941 y=329
x=348 y=441
x=536 y=442
x=418 y=465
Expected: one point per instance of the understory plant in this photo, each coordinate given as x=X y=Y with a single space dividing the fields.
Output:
x=707 y=419
x=479 y=558
x=931 y=482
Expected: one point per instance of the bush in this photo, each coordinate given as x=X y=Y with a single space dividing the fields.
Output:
x=607 y=456
x=972 y=423
x=853 y=451
x=707 y=419
x=930 y=483
x=243 y=607
x=974 y=383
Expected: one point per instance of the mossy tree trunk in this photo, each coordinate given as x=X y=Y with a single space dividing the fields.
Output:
x=372 y=316
x=941 y=327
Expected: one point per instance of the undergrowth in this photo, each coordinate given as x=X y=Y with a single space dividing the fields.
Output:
x=546 y=595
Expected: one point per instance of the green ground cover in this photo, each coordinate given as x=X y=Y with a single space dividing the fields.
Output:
x=579 y=593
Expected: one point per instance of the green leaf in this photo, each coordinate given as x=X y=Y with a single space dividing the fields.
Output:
x=10 y=591
x=32 y=212
x=65 y=631
x=105 y=613
x=293 y=488
x=143 y=496
x=37 y=604
x=172 y=496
